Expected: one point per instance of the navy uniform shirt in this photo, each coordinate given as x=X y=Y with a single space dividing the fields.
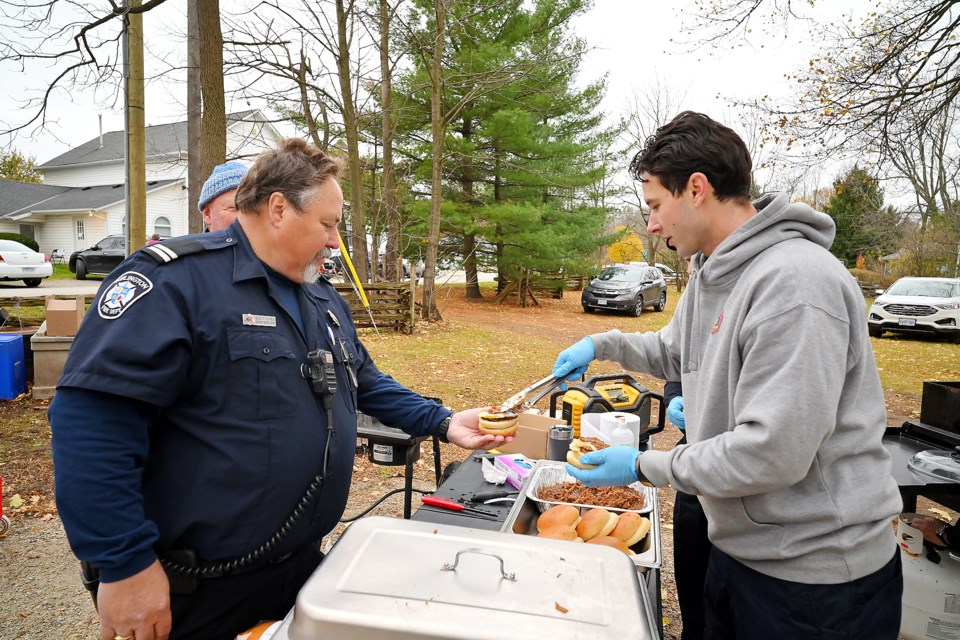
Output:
x=182 y=419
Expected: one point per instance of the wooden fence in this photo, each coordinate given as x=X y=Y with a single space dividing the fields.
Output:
x=392 y=305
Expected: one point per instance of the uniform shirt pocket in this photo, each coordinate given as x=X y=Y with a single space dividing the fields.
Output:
x=263 y=366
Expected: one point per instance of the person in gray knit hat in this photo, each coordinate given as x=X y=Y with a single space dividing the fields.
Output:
x=216 y=198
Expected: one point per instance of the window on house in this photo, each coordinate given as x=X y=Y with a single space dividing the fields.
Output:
x=81 y=235
x=161 y=226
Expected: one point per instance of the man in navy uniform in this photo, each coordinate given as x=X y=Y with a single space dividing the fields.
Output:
x=204 y=428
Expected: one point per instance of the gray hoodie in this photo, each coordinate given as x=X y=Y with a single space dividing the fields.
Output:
x=783 y=403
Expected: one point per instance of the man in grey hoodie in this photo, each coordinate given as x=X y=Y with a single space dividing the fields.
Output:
x=783 y=404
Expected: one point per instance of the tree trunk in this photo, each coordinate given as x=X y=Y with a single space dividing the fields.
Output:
x=469 y=240
x=389 y=188
x=358 y=219
x=429 y=309
x=195 y=175
x=136 y=178
x=213 y=126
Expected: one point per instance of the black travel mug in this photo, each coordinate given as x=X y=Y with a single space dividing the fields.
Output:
x=558 y=441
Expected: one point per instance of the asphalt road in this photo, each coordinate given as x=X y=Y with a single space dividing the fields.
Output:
x=50 y=287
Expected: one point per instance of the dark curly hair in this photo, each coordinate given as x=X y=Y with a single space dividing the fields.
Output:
x=693 y=142
x=295 y=168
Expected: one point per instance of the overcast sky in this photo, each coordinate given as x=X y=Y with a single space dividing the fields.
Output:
x=633 y=40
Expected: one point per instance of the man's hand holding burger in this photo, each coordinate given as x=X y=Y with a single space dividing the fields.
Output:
x=612 y=467
x=465 y=431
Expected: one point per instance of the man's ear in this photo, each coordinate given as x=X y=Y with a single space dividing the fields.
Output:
x=276 y=207
x=699 y=186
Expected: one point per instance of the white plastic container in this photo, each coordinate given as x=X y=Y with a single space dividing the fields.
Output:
x=604 y=426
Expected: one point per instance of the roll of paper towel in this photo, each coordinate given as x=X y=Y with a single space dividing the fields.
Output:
x=621 y=428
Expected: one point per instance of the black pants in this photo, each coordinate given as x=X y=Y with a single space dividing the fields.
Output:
x=691 y=554
x=747 y=605
x=220 y=608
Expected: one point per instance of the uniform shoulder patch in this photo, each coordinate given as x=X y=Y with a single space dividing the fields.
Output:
x=127 y=289
x=170 y=250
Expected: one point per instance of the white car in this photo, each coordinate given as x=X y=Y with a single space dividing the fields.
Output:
x=918 y=305
x=20 y=262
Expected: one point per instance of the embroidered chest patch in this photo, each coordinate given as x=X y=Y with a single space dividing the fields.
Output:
x=126 y=290
x=716 y=325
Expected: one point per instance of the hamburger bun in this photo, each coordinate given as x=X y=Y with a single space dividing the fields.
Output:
x=560 y=532
x=559 y=515
x=498 y=424
x=610 y=541
x=596 y=522
x=631 y=528
x=578 y=448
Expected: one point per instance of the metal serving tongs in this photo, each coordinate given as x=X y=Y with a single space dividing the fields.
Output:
x=518 y=401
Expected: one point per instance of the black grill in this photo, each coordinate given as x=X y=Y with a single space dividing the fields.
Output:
x=910 y=310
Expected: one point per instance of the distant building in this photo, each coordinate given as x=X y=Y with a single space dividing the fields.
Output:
x=82 y=197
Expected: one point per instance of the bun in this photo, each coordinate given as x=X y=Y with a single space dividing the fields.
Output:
x=560 y=532
x=498 y=424
x=631 y=528
x=578 y=448
x=596 y=522
x=559 y=515
x=610 y=541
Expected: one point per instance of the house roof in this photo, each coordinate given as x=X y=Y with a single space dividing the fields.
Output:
x=161 y=140
x=15 y=196
x=52 y=199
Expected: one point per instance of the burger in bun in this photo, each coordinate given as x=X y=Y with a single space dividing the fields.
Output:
x=558 y=515
x=631 y=528
x=596 y=522
x=578 y=448
x=560 y=532
x=610 y=541
x=495 y=423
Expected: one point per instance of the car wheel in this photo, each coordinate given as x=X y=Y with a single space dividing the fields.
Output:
x=875 y=333
x=637 y=307
x=32 y=282
x=81 y=270
x=662 y=302
x=587 y=309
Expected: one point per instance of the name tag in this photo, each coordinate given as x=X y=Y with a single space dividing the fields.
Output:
x=252 y=320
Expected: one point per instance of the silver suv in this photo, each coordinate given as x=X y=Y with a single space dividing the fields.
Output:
x=918 y=305
x=626 y=287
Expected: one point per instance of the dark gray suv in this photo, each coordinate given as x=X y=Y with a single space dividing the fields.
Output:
x=626 y=287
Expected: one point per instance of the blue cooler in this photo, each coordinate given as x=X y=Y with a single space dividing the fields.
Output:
x=13 y=373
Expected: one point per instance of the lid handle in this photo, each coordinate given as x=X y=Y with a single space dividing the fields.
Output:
x=453 y=567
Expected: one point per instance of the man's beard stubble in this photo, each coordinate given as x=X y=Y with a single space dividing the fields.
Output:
x=311 y=272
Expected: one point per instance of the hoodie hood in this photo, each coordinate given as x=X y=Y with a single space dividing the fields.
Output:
x=777 y=220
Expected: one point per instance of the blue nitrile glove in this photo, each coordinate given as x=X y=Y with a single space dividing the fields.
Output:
x=573 y=361
x=675 y=413
x=616 y=467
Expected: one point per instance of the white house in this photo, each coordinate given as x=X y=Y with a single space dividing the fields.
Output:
x=82 y=196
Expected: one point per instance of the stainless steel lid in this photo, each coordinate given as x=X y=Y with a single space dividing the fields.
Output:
x=939 y=465
x=389 y=578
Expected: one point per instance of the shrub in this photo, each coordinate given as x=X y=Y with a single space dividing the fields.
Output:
x=16 y=237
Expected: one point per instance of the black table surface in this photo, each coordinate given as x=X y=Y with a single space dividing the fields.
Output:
x=464 y=483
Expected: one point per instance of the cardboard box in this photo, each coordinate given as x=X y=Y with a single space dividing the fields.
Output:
x=64 y=316
x=531 y=438
x=517 y=467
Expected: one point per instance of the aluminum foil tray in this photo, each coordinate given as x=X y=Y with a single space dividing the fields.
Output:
x=548 y=473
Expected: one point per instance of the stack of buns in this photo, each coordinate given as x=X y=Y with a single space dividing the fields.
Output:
x=596 y=526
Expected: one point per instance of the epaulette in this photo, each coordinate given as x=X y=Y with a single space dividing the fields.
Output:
x=170 y=250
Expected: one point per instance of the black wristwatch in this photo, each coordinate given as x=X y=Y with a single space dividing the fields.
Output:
x=442 y=429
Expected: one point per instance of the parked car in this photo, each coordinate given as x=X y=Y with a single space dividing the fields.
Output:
x=668 y=273
x=625 y=287
x=100 y=259
x=918 y=305
x=20 y=262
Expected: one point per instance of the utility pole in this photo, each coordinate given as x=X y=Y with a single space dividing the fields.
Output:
x=195 y=177
x=134 y=127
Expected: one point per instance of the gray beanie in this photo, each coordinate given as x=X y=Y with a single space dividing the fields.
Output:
x=225 y=177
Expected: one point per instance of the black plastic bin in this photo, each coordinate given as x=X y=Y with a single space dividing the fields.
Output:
x=940 y=405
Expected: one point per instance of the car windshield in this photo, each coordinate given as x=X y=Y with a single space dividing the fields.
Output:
x=10 y=245
x=619 y=274
x=925 y=288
